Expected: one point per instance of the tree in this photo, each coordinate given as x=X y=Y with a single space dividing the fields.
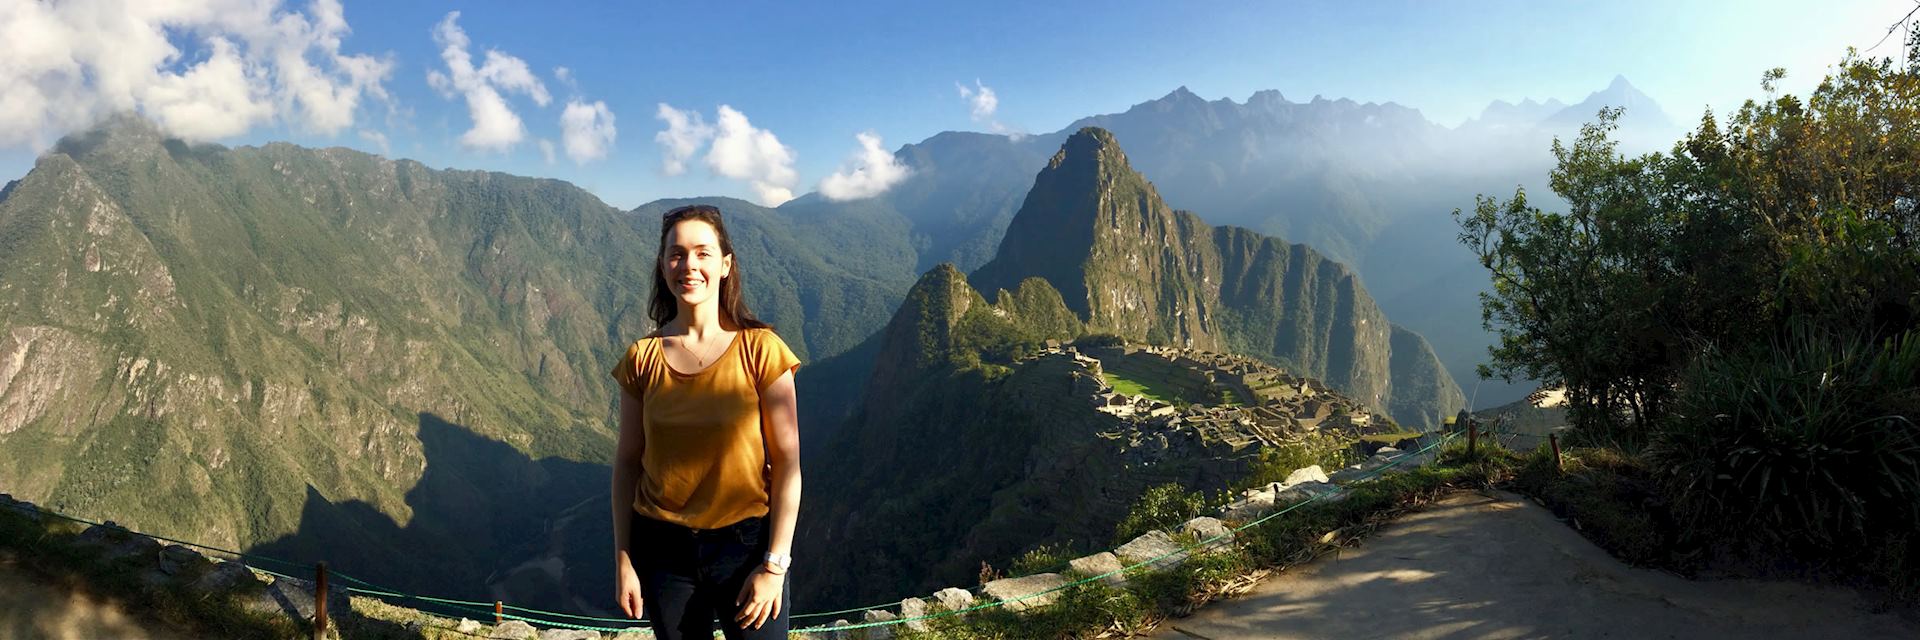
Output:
x=1793 y=213
x=1578 y=297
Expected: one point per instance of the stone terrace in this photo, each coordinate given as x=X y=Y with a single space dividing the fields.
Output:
x=1284 y=407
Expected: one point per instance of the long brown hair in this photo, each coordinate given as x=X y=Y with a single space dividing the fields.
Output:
x=733 y=306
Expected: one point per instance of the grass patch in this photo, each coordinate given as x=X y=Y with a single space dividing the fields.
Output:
x=1276 y=463
x=1610 y=498
x=1042 y=559
x=1128 y=386
x=1390 y=438
x=1160 y=507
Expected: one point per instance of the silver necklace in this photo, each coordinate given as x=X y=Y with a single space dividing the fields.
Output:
x=696 y=356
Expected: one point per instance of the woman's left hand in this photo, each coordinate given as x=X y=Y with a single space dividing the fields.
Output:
x=759 y=598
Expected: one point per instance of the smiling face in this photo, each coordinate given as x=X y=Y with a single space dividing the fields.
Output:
x=693 y=264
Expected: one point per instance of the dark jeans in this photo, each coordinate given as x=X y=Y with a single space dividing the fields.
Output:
x=690 y=577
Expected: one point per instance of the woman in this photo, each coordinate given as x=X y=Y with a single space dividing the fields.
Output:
x=706 y=476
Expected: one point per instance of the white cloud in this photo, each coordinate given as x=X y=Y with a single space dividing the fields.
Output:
x=546 y=150
x=495 y=125
x=686 y=133
x=871 y=171
x=212 y=100
x=983 y=103
x=743 y=152
x=69 y=63
x=510 y=73
x=565 y=76
x=440 y=83
x=738 y=150
x=980 y=98
x=378 y=139
x=587 y=130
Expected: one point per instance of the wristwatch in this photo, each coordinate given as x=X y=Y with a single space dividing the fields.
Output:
x=779 y=561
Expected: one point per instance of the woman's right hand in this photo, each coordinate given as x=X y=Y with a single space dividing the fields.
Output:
x=626 y=588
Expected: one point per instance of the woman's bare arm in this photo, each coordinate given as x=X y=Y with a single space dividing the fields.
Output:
x=780 y=426
x=626 y=472
x=761 y=598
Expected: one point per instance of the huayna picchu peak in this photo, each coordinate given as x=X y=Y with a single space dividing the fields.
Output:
x=1128 y=264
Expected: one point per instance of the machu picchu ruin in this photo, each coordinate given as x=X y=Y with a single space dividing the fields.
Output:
x=1208 y=412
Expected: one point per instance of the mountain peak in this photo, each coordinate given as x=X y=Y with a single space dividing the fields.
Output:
x=1123 y=262
x=130 y=124
x=1619 y=93
x=1093 y=135
x=1641 y=110
x=1180 y=99
x=1265 y=97
x=944 y=273
x=1054 y=232
x=1092 y=145
x=125 y=134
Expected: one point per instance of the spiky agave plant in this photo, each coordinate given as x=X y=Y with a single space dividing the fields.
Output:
x=1810 y=441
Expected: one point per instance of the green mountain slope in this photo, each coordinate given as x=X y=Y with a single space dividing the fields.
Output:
x=976 y=443
x=325 y=353
x=903 y=497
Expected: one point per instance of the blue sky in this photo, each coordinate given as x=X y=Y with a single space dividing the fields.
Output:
x=813 y=75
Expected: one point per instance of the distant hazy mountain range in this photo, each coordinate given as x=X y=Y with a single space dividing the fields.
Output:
x=1371 y=186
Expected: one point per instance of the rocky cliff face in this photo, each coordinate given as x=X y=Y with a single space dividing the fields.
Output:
x=1127 y=264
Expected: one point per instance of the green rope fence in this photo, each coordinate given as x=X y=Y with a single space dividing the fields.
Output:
x=246 y=556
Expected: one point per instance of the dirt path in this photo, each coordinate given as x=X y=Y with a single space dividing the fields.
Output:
x=30 y=609
x=1473 y=566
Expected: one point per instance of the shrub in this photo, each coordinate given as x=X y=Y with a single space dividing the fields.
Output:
x=1808 y=443
x=1487 y=452
x=1160 y=507
x=1042 y=559
x=1276 y=463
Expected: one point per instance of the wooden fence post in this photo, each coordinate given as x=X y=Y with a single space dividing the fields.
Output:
x=319 y=601
x=498 y=608
x=1554 y=439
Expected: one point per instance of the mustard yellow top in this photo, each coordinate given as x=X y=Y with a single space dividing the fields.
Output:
x=705 y=460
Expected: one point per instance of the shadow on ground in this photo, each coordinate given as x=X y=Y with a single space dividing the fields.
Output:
x=1498 y=566
x=30 y=607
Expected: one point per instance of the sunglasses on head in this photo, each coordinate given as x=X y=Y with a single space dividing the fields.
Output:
x=689 y=210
